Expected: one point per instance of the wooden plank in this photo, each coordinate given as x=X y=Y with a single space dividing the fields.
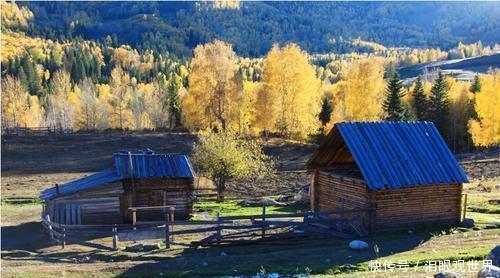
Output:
x=79 y=215
x=73 y=214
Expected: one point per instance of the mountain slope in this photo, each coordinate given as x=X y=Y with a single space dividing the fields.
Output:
x=252 y=28
x=462 y=69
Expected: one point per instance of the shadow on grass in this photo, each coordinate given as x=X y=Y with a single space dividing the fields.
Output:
x=25 y=242
x=286 y=257
x=29 y=241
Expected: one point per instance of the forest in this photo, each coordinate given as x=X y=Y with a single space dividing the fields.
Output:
x=253 y=27
x=81 y=76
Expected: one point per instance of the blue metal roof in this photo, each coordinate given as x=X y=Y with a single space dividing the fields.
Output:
x=144 y=165
x=100 y=178
x=148 y=165
x=400 y=154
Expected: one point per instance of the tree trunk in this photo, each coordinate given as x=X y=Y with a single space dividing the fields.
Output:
x=220 y=189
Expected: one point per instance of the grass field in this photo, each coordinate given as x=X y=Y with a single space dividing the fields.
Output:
x=24 y=256
x=27 y=252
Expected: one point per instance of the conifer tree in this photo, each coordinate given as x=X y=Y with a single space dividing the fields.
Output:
x=476 y=85
x=174 y=102
x=326 y=112
x=439 y=105
x=419 y=100
x=393 y=104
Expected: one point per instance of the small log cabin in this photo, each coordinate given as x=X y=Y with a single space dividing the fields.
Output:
x=137 y=180
x=403 y=171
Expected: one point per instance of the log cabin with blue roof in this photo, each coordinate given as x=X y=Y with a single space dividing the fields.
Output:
x=142 y=179
x=403 y=171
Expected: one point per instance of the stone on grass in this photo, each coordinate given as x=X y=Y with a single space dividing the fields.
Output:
x=142 y=247
x=468 y=223
x=358 y=245
x=489 y=271
x=494 y=256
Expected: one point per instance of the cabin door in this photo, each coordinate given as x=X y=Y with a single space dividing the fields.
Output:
x=158 y=198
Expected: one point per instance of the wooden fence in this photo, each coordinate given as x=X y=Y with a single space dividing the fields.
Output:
x=36 y=131
x=224 y=230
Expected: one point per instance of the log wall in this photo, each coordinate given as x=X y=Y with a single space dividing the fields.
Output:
x=157 y=192
x=395 y=208
x=425 y=204
x=330 y=189
x=93 y=206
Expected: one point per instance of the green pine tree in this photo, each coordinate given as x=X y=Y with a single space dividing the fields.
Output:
x=326 y=112
x=24 y=80
x=419 y=100
x=174 y=102
x=439 y=106
x=393 y=104
x=476 y=85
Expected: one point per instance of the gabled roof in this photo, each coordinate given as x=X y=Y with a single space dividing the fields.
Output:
x=148 y=165
x=144 y=165
x=392 y=154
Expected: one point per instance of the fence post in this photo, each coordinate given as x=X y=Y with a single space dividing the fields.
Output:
x=50 y=227
x=171 y=212
x=134 y=218
x=115 y=237
x=63 y=238
x=464 y=212
x=263 y=220
x=219 y=229
x=167 y=230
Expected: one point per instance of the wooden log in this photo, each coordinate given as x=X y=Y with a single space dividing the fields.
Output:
x=171 y=214
x=51 y=234
x=134 y=217
x=464 y=210
x=115 y=238
x=263 y=220
x=63 y=242
x=167 y=231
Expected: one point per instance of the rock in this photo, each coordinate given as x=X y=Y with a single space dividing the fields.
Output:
x=142 y=247
x=468 y=223
x=134 y=248
x=487 y=272
x=151 y=247
x=284 y=199
x=302 y=196
x=446 y=275
x=358 y=245
x=256 y=202
x=494 y=256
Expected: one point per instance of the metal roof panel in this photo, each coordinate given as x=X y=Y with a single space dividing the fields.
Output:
x=399 y=154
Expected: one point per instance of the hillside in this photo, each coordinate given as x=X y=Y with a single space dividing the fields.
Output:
x=253 y=27
x=461 y=69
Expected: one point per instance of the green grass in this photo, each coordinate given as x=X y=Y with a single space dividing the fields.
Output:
x=320 y=257
x=230 y=207
x=479 y=203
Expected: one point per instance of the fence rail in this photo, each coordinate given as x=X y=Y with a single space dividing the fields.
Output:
x=36 y=131
x=236 y=231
